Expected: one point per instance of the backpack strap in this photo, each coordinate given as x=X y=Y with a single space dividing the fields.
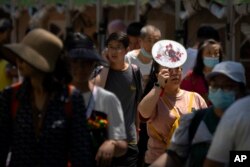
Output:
x=138 y=83
x=195 y=122
x=101 y=78
x=137 y=77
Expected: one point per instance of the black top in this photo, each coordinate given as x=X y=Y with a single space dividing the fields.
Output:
x=62 y=137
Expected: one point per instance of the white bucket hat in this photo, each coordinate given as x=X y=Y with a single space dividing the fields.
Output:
x=233 y=70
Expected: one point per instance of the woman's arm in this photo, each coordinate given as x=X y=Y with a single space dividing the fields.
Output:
x=148 y=103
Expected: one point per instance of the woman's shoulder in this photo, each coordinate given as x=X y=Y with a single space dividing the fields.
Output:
x=191 y=93
x=200 y=101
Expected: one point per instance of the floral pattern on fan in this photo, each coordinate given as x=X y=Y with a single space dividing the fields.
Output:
x=169 y=53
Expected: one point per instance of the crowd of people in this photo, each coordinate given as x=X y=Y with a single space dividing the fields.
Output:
x=64 y=104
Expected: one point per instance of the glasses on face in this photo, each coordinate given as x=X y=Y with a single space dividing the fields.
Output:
x=117 y=49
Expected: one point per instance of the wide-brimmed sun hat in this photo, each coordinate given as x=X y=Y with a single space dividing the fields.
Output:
x=81 y=46
x=231 y=69
x=169 y=53
x=39 y=48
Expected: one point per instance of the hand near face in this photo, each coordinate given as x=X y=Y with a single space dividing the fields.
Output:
x=105 y=154
x=163 y=76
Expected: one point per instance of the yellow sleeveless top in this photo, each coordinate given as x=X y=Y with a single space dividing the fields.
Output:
x=4 y=79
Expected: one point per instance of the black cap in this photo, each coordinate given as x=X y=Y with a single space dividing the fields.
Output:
x=81 y=46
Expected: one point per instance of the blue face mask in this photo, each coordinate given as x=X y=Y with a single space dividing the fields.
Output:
x=145 y=53
x=221 y=99
x=210 y=61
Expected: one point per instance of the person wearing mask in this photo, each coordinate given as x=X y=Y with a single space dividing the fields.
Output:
x=166 y=102
x=209 y=54
x=42 y=119
x=232 y=134
x=103 y=107
x=142 y=57
x=191 y=140
x=204 y=32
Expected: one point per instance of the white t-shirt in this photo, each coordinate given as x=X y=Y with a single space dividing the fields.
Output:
x=131 y=58
x=190 y=62
x=232 y=133
x=108 y=103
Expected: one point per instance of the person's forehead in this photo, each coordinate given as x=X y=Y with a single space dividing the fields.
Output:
x=212 y=47
x=115 y=43
x=222 y=79
x=153 y=34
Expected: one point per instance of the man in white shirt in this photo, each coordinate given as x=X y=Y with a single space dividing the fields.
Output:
x=101 y=104
x=142 y=57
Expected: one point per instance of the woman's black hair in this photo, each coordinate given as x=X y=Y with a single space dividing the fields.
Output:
x=199 y=65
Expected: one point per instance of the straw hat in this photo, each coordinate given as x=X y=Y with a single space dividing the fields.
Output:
x=39 y=48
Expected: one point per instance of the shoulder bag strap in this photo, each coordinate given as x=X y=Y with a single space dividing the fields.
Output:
x=190 y=102
x=100 y=80
x=195 y=122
